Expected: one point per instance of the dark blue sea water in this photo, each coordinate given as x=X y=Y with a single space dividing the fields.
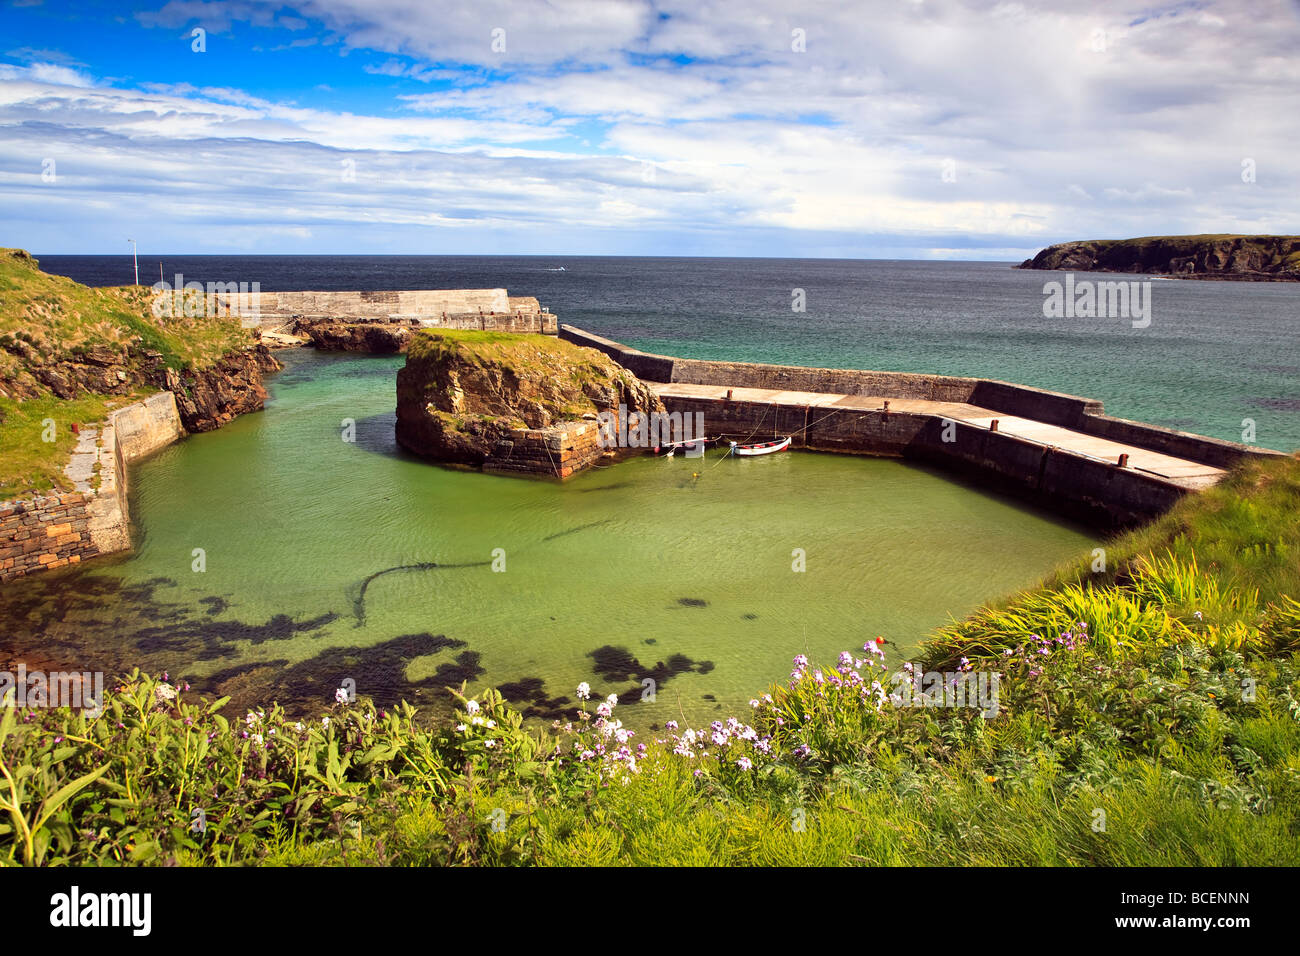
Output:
x=1215 y=356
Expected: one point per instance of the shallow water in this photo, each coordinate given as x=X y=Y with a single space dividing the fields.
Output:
x=327 y=560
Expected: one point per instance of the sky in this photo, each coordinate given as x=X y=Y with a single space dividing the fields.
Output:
x=898 y=129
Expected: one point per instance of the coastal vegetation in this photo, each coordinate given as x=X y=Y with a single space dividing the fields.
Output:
x=1149 y=714
x=70 y=353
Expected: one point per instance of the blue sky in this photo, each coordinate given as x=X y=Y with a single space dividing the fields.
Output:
x=899 y=129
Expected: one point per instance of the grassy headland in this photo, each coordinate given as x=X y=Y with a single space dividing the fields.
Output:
x=68 y=353
x=1149 y=713
x=1214 y=256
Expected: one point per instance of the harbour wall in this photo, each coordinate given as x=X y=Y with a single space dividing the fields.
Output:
x=46 y=533
x=481 y=309
x=1097 y=492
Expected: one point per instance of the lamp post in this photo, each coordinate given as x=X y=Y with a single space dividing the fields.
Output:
x=135 y=259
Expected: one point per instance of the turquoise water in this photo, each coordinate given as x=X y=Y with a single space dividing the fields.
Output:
x=325 y=560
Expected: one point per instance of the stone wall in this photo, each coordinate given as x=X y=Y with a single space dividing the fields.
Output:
x=1056 y=408
x=558 y=452
x=490 y=309
x=41 y=534
x=44 y=533
x=143 y=427
x=1094 y=492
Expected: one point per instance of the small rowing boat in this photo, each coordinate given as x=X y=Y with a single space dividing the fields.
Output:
x=766 y=448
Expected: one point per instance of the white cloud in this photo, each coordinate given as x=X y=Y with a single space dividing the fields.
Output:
x=1106 y=120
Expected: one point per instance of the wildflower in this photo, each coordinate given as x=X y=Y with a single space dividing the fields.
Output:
x=670 y=725
x=612 y=700
x=584 y=691
x=471 y=707
x=753 y=703
x=298 y=726
x=461 y=728
x=252 y=719
x=164 y=693
x=604 y=710
x=341 y=695
x=489 y=743
x=325 y=721
x=257 y=739
x=744 y=763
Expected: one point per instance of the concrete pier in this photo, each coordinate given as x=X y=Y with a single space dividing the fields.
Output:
x=1057 y=450
x=483 y=309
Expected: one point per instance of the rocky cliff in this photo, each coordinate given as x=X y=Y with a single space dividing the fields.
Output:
x=377 y=338
x=209 y=397
x=1251 y=258
x=507 y=402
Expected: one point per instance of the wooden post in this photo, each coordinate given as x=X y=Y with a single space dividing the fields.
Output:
x=1123 y=461
x=993 y=425
x=729 y=393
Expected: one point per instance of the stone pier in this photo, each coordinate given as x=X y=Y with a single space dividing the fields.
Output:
x=1057 y=450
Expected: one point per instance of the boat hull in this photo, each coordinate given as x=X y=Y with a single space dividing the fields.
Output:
x=767 y=448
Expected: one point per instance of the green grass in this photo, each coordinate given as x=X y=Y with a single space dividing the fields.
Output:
x=50 y=320
x=33 y=465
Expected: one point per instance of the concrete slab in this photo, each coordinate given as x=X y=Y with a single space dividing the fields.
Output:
x=1190 y=474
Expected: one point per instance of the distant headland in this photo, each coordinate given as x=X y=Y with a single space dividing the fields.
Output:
x=1245 y=258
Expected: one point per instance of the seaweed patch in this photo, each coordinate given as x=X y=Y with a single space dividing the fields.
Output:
x=615 y=664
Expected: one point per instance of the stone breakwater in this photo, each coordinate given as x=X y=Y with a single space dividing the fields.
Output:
x=42 y=534
x=1060 y=451
x=384 y=321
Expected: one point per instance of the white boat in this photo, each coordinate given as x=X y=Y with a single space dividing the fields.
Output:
x=693 y=447
x=766 y=448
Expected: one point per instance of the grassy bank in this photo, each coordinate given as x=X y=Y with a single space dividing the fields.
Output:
x=1147 y=713
x=68 y=353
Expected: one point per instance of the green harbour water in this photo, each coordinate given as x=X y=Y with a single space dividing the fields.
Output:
x=327 y=560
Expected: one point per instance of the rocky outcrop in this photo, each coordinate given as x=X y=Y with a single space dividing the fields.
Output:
x=1251 y=258
x=381 y=338
x=520 y=403
x=207 y=398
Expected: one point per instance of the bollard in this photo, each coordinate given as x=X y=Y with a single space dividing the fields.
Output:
x=886 y=408
x=729 y=393
x=993 y=425
x=1123 y=461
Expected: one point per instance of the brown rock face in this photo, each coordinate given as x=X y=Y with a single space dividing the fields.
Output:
x=520 y=403
x=373 y=337
x=1251 y=258
x=210 y=397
